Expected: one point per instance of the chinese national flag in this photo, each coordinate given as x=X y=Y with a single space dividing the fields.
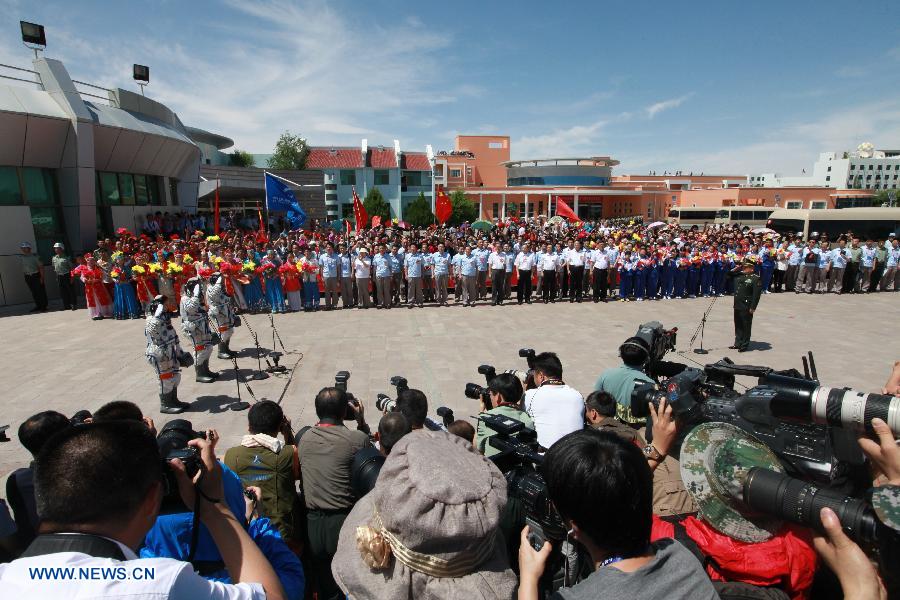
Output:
x=359 y=212
x=376 y=220
x=442 y=206
x=563 y=210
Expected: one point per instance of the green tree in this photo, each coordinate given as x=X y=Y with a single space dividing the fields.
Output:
x=240 y=158
x=375 y=204
x=418 y=213
x=463 y=208
x=883 y=198
x=290 y=153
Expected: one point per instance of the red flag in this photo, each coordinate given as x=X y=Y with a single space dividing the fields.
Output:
x=563 y=210
x=261 y=234
x=216 y=213
x=443 y=208
x=347 y=226
x=359 y=211
x=376 y=220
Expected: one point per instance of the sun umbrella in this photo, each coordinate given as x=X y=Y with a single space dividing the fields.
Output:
x=763 y=230
x=485 y=225
x=556 y=220
x=656 y=224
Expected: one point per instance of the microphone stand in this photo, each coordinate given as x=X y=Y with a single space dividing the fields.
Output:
x=240 y=404
x=259 y=374
x=276 y=356
x=701 y=328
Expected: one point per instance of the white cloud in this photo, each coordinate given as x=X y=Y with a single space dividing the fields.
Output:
x=578 y=139
x=301 y=65
x=851 y=72
x=658 y=107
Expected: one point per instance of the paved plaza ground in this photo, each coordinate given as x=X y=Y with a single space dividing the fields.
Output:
x=65 y=362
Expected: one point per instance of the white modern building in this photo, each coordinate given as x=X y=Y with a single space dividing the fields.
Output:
x=864 y=169
x=77 y=161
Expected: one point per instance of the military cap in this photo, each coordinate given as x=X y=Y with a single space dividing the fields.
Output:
x=886 y=502
x=715 y=461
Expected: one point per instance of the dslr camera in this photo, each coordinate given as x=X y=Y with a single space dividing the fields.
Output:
x=385 y=403
x=340 y=382
x=476 y=392
x=172 y=442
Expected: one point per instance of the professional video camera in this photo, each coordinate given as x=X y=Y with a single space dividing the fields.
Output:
x=340 y=382
x=658 y=339
x=172 y=442
x=519 y=461
x=811 y=428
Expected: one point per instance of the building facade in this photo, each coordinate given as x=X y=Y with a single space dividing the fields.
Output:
x=861 y=170
x=400 y=175
x=78 y=161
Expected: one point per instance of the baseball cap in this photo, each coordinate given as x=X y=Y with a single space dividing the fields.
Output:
x=715 y=461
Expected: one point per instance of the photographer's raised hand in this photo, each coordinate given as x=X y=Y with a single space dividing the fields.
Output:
x=859 y=580
x=884 y=454
x=208 y=479
x=664 y=428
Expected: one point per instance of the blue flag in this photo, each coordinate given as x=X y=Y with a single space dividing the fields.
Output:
x=280 y=197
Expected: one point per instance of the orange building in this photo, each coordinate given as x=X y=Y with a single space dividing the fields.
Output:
x=501 y=188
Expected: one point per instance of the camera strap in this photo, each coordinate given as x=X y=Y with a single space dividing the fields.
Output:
x=85 y=543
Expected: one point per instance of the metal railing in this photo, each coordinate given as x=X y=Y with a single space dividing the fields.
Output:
x=20 y=69
x=91 y=85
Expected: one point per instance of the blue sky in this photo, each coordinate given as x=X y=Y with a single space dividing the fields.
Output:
x=722 y=86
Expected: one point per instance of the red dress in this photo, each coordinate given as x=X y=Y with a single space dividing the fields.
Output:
x=146 y=290
x=290 y=277
x=95 y=292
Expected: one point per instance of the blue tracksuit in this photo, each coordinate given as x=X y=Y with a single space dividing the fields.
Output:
x=668 y=277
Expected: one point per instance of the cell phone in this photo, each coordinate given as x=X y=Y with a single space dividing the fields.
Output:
x=535 y=535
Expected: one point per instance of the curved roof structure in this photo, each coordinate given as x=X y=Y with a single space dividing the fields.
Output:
x=201 y=136
x=587 y=161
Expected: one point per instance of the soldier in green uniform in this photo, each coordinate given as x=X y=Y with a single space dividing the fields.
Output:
x=747 y=291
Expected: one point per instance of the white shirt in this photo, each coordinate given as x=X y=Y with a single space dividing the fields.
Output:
x=600 y=259
x=575 y=258
x=77 y=575
x=497 y=260
x=525 y=261
x=548 y=262
x=363 y=267
x=557 y=410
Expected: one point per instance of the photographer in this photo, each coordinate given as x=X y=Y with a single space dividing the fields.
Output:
x=391 y=428
x=96 y=512
x=506 y=395
x=585 y=471
x=413 y=404
x=555 y=408
x=619 y=381
x=326 y=455
x=273 y=465
x=33 y=434
x=600 y=414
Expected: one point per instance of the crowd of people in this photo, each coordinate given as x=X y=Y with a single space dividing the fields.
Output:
x=393 y=265
x=111 y=508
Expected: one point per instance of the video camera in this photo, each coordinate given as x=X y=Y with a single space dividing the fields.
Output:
x=811 y=428
x=385 y=403
x=172 y=442
x=658 y=339
x=519 y=461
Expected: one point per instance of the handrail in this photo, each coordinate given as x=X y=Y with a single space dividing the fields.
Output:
x=106 y=99
x=18 y=68
x=20 y=79
x=99 y=87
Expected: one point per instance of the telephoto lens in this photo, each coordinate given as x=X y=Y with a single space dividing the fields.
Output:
x=473 y=391
x=385 y=403
x=805 y=400
x=800 y=502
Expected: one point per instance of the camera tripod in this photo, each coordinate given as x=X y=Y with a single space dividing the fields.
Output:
x=701 y=328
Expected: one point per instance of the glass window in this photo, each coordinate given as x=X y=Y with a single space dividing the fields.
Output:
x=173 y=191
x=10 y=194
x=455 y=173
x=153 y=190
x=109 y=189
x=382 y=177
x=723 y=214
x=348 y=177
x=48 y=228
x=126 y=188
x=40 y=189
x=141 y=197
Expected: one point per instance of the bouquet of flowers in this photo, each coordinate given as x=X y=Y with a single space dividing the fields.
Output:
x=155 y=267
x=213 y=238
x=187 y=259
x=249 y=267
x=173 y=269
x=307 y=267
x=138 y=270
x=217 y=260
x=117 y=275
x=116 y=254
x=122 y=232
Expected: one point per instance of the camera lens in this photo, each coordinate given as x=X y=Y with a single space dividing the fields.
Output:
x=642 y=394
x=474 y=391
x=384 y=403
x=801 y=502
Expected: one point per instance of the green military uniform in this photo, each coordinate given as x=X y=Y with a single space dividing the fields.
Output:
x=747 y=291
